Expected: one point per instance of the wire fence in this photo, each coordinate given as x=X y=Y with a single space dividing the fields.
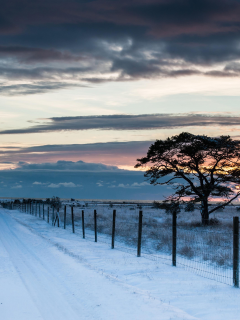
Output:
x=210 y=252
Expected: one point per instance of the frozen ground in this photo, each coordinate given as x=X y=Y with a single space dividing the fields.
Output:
x=50 y=273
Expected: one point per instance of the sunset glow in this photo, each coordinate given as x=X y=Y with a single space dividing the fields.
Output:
x=99 y=82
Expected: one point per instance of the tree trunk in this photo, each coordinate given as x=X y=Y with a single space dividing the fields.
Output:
x=205 y=213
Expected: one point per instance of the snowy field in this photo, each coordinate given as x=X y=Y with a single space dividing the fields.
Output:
x=51 y=273
x=207 y=251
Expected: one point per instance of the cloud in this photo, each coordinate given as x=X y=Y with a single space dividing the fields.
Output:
x=30 y=55
x=81 y=42
x=65 y=166
x=133 y=185
x=99 y=184
x=129 y=122
x=63 y=184
x=6 y=162
x=17 y=187
x=110 y=153
x=53 y=185
x=136 y=184
x=37 y=183
x=33 y=88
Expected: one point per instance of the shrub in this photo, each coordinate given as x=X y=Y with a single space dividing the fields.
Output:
x=172 y=207
x=158 y=205
x=187 y=251
x=56 y=202
x=189 y=207
x=214 y=222
x=222 y=259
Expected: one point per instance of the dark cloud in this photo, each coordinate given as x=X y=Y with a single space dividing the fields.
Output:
x=41 y=73
x=117 y=40
x=103 y=147
x=118 y=153
x=31 y=55
x=186 y=16
x=128 y=122
x=150 y=13
x=68 y=179
x=7 y=162
x=180 y=13
x=66 y=166
x=79 y=185
x=33 y=88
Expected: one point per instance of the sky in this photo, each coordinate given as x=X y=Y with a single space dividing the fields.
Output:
x=87 y=85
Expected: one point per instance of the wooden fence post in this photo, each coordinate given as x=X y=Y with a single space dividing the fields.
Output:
x=174 y=239
x=52 y=215
x=58 y=217
x=113 y=228
x=48 y=214
x=65 y=217
x=236 y=252
x=83 y=226
x=43 y=211
x=39 y=210
x=72 y=214
x=95 y=224
x=139 y=234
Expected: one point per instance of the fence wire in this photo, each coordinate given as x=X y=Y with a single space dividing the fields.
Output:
x=205 y=251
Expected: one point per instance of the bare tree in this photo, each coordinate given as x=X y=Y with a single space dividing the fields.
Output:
x=199 y=168
x=56 y=202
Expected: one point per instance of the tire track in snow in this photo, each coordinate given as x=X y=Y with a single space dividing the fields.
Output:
x=38 y=279
x=36 y=259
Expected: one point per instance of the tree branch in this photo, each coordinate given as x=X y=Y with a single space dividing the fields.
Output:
x=224 y=204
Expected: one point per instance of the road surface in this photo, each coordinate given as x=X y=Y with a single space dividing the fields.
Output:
x=40 y=279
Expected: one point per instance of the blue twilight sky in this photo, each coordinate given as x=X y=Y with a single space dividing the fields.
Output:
x=98 y=81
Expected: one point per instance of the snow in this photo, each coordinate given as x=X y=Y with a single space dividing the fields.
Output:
x=50 y=273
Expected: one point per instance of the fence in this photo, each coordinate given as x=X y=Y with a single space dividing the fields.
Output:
x=209 y=252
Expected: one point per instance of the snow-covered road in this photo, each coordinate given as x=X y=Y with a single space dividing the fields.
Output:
x=51 y=273
x=40 y=280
